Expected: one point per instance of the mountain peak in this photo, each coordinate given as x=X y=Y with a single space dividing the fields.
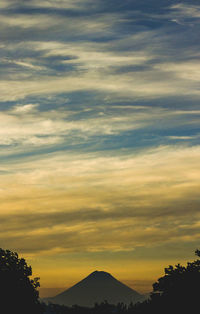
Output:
x=97 y=287
x=100 y=275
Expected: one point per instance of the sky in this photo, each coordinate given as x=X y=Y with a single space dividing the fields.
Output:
x=100 y=137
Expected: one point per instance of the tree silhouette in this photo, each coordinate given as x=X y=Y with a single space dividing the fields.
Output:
x=178 y=290
x=18 y=293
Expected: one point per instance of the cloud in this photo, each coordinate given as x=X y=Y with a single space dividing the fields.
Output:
x=93 y=67
x=127 y=86
x=186 y=10
x=28 y=108
x=75 y=57
x=57 y=4
x=182 y=70
x=74 y=26
x=27 y=21
x=145 y=198
x=185 y=14
x=184 y=137
x=99 y=132
x=4 y=4
x=60 y=4
x=25 y=127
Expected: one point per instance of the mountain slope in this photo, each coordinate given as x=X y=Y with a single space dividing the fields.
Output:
x=97 y=287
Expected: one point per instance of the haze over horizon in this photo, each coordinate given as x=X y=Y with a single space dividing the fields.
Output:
x=99 y=137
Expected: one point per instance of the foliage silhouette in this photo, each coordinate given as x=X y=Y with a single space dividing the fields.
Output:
x=18 y=293
x=178 y=289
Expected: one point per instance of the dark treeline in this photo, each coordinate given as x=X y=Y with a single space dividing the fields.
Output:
x=98 y=308
x=176 y=292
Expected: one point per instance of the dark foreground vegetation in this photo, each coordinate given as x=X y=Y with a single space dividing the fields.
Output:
x=178 y=291
x=18 y=293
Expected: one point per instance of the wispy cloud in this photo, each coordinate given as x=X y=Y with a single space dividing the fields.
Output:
x=186 y=10
x=61 y=4
x=182 y=70
x=184 y=137
x=26 y=127
x=162 y=181
x=99 y=129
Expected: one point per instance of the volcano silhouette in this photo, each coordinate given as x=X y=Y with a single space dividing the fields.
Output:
x=99 y=286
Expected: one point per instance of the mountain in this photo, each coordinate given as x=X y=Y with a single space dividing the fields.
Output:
x=97 y=287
